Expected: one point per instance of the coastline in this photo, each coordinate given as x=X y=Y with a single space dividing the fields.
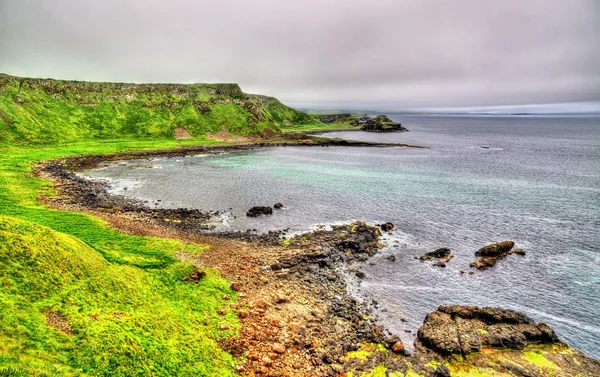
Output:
x=278 y=309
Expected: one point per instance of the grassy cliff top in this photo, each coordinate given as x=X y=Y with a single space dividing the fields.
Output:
x=50 y=111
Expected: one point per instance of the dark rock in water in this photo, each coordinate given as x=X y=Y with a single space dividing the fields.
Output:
x=258 y=211
x=439 y=253
x=490 y=254
x=360 y=274
x=278 y=205
x=443 y=255
x=387 y=226
x=495 y=249
x=484 y=263
x=465 y=329
x=391 y=258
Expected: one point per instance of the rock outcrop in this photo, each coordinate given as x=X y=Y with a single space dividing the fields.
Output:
x=466 y=329
x=380 y=123
x=258 y=211
x=443 y=255
x=387 y=226
x=490 y=254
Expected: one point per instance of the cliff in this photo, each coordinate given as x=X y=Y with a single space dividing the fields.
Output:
x=46 y=110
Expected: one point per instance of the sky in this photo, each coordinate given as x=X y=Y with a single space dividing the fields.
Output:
x=364 y=54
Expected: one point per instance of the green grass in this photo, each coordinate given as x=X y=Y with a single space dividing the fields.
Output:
x=129 y=312
x=56 y=111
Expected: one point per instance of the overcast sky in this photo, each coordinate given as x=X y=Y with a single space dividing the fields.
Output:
x=361 y=53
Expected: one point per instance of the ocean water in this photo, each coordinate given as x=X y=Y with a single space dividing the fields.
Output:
x=534 y=180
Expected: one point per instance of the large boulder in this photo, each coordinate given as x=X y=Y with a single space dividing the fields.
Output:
x=495 y=249
x=258 y=211
x=443 y=255
x=465 y=329
x=438 y=253
x=490 y=254
x=387 y=226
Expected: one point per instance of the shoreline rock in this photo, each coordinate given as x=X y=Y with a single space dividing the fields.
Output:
x=466 y=329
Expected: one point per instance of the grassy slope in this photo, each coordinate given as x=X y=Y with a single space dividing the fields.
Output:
x=340 y=124
x=130 y=314
x=43 y=111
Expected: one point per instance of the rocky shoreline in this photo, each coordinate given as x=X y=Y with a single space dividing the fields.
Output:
x=297 y=318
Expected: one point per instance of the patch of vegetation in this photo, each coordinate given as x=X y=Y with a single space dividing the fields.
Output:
x=51 y=111
x=536 y=357
x=468 y=370
x=378 y=371
x=365 y=351
x=381 y=371
x=79 y=298
x=11 y=372
x=337 y=121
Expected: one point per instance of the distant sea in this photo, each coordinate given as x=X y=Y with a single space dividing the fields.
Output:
x=531 y=179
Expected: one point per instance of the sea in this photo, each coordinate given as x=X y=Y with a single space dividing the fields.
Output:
x=479 y=179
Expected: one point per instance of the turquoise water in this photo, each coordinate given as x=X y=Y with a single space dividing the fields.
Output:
x=535 y=180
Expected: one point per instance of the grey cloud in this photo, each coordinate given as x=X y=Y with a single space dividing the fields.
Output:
x=404 y=54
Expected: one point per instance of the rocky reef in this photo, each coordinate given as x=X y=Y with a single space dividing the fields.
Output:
x=469 y=340
x=443 y=255
x=380 y=123
x=490 y=254
x=259 y=211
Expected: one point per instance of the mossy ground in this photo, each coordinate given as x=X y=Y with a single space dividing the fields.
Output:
x=365 y=351
x=121 y=296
